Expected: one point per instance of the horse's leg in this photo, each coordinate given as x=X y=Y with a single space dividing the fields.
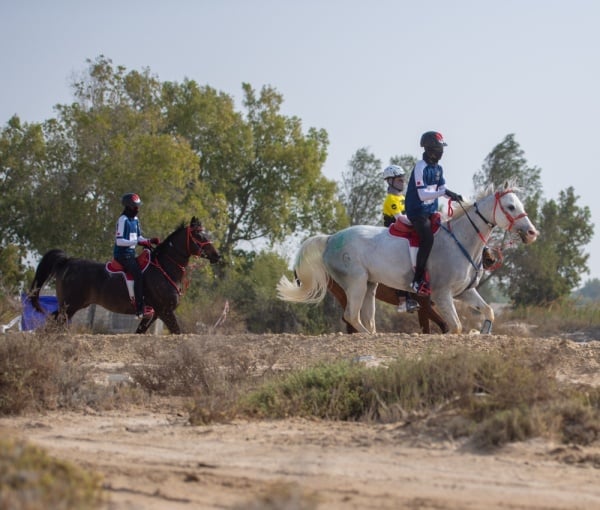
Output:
x=145 y=324
x=339 y=294
x=445 y=305
x=473 y=299
x=169 y=319
x=367 y=313
x=427 y=312
x=424 y=309
x=355 y=294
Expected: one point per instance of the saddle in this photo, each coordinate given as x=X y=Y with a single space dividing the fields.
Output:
x=402 y=229
x=114 y=267
x=143 y=260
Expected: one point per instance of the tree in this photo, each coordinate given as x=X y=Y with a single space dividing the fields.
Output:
x=259 y=163
x=551 y=268
x=406 y=161
x=22 y=152
x=590 y=290
x=506 y=163
x=108 y=142
x=362 y=189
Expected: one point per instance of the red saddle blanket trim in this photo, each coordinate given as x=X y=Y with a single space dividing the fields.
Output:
x=401 y=229
x=143 y=260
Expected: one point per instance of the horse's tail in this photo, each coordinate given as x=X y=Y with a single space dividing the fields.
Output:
x=310 y=273
x=46 y=269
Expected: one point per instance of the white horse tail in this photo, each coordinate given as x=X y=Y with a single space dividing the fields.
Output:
x=311 y=277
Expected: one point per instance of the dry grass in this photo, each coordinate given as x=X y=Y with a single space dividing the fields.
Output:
x=32 y=480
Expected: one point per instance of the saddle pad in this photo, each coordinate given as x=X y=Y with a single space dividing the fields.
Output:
x=401 y=229
x=143 y=260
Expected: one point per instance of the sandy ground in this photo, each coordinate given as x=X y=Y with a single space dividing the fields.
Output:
x=151 y=457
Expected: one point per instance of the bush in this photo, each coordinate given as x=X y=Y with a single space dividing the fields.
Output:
x=32 y=480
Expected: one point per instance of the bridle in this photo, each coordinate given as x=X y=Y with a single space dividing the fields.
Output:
x=498 y=203
x=190 y=240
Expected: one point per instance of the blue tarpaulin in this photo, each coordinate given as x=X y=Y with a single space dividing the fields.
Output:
x=31 y=318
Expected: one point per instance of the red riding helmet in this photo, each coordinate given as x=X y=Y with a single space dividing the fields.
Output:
x=131 y=200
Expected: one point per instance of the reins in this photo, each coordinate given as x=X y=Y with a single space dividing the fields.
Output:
x=511 y=222
x=182 y=267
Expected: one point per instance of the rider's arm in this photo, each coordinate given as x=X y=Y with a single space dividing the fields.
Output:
x=426 y=191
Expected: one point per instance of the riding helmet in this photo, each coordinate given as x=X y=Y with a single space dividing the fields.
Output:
x=432 y=139
x=131 y=200
x=393 y=171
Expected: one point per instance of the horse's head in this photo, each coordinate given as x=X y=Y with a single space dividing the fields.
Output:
x=199 y=244
x=509 y=214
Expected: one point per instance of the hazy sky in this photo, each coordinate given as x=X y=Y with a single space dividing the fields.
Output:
x=373 y=74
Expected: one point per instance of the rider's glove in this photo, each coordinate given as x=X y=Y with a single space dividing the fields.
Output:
x=145 y=244
x=454 y=196
x=155 y=240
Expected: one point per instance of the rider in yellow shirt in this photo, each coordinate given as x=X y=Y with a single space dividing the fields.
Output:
x=393 y=207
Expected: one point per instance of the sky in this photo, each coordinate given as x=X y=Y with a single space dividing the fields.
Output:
x=374 y=74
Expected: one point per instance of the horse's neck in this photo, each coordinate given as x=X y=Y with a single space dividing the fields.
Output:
x=466 y=232
x=173 y=264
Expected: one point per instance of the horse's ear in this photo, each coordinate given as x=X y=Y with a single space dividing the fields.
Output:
x=196 y=223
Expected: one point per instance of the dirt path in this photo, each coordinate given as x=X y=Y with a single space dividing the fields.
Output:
x=153 y=459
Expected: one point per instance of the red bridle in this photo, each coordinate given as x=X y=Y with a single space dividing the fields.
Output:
x=511 y=219
x=199 y=244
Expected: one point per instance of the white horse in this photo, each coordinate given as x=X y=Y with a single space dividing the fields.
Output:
x=361 y=256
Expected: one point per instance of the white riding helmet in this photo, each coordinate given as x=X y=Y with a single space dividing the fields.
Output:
x=393 y=171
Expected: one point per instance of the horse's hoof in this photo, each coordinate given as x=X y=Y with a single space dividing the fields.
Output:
x=487 y=327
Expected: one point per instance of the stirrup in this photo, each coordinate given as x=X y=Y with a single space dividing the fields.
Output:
x=148 y=313
x=412 y=305
x=421 y=287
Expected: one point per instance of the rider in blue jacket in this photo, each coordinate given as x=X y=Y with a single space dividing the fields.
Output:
x=128 y=235
x=425 y=186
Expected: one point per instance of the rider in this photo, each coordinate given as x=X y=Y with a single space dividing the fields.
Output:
x=127 y=236
x=425 y=186
x=393 y=208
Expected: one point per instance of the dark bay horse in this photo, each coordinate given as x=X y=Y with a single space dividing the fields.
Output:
x=81 y=282
x=388 y=295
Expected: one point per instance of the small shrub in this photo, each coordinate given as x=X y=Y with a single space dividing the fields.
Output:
x=578 y=423
x=506 y=426
x=32 y=480
x=333 y=391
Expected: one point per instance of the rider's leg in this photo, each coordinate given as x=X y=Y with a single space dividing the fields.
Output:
x=422 y=225
x=131 y=266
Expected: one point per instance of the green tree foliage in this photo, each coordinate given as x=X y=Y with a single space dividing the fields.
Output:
x=506 y=163
x=363 y=189
x=406 y=161
x=22 y=153
x=259 y=163
x=551 y=268
x=108 y=142
x=590 y=290
x=21 y=148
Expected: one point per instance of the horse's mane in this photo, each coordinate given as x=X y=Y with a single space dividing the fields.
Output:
x=490 y=189
x=162 y=246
